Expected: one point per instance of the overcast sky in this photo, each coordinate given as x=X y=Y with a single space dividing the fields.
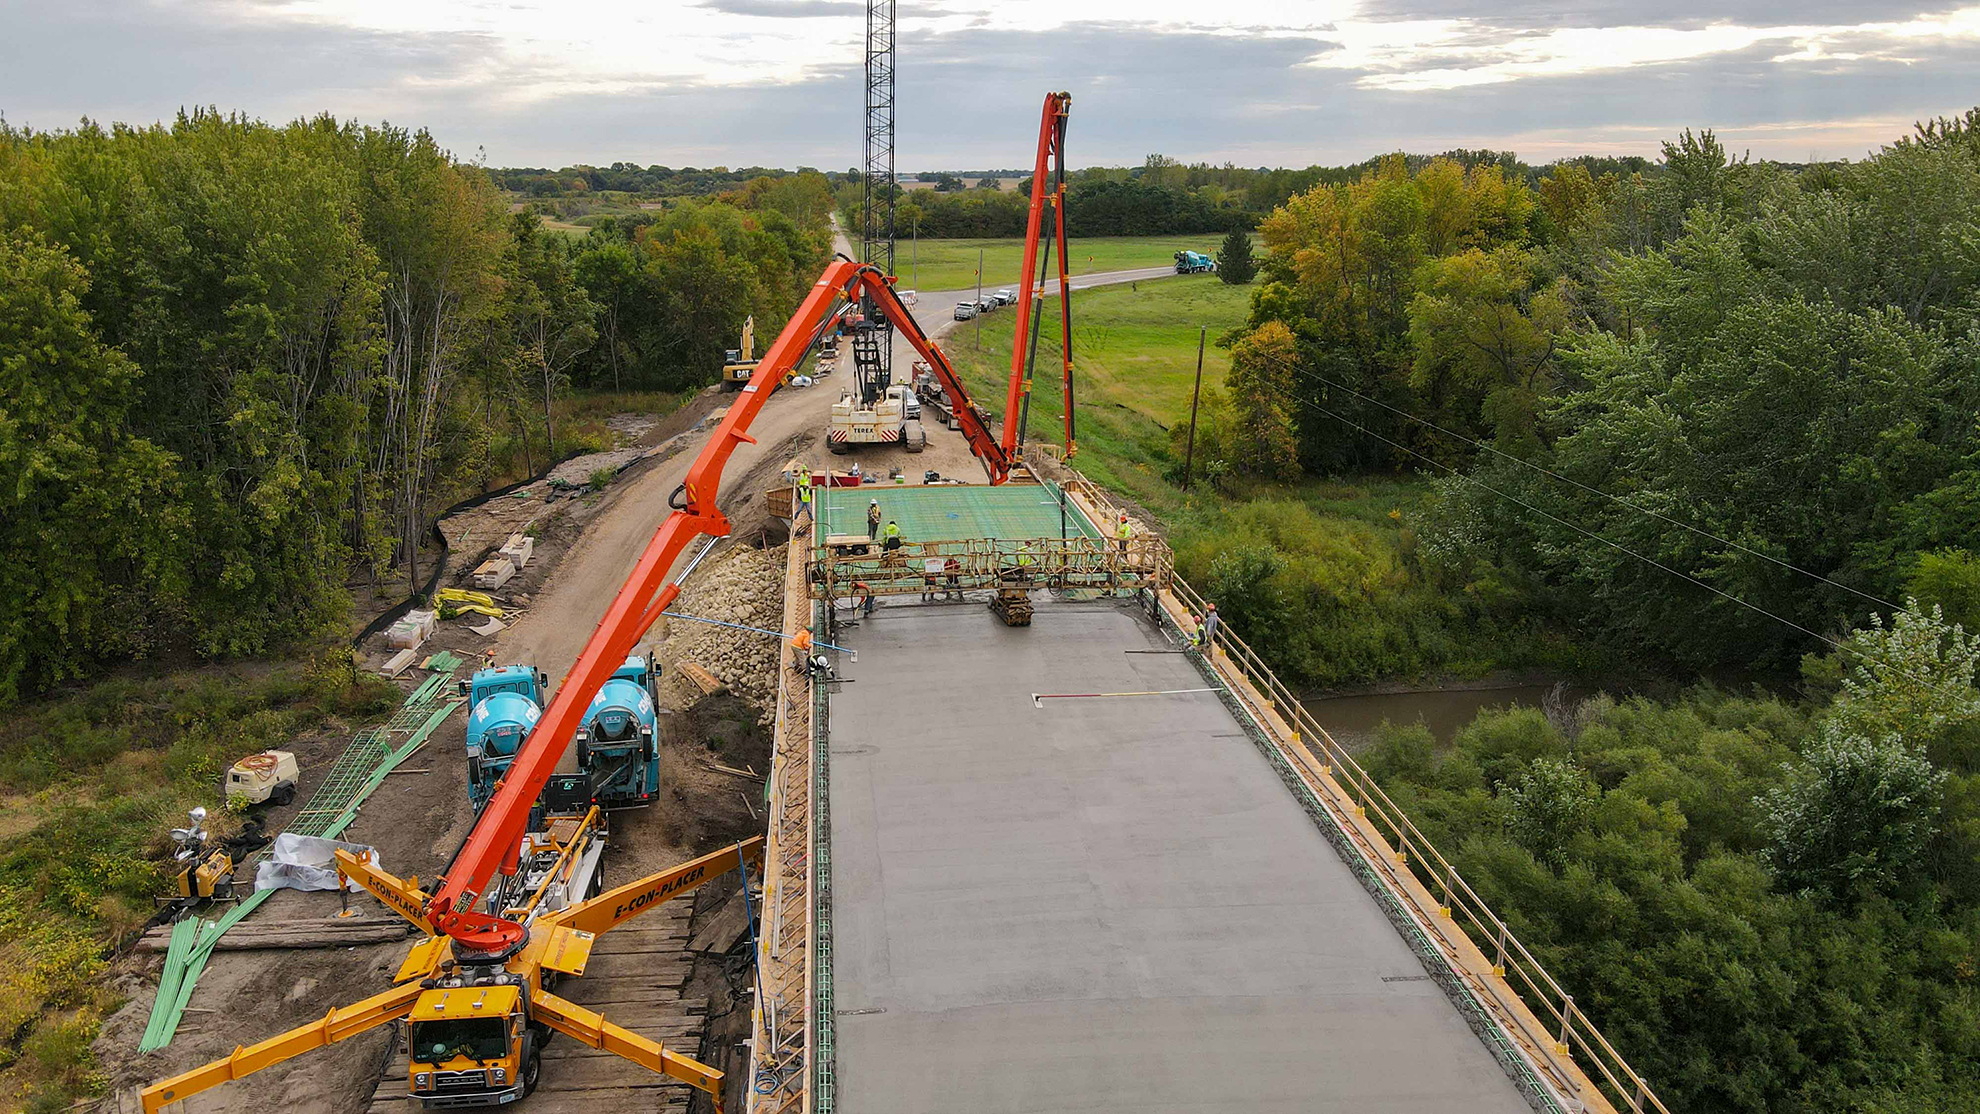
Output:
x=777 y=82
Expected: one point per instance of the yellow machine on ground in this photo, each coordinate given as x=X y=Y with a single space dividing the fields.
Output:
x=741 y=362
x=477 y=1024
x=206 y=868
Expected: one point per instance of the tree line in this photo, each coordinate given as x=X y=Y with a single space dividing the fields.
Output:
x=1102 y=208
x=239 y=362
x=1763 y=366
x=626 y=177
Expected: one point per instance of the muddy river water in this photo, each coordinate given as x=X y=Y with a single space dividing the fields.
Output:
x=1353 y=719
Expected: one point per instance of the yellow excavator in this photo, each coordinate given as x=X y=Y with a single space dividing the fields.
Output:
x=740 y=363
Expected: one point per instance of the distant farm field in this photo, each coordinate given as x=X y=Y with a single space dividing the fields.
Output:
x=951 y=264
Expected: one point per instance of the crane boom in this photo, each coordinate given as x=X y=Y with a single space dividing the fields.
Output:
x=1048 y=182
x=492 y=844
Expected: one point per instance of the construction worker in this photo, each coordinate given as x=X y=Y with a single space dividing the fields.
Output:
x=801 y=645
x=1206 y=631
x=804 y=495
x=1124 y=531
x=872 y=519
x=892 y=536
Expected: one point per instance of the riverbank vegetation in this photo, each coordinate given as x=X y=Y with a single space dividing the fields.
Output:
x=1767 y=903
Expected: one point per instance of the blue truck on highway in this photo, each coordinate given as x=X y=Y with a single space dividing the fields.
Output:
x=1194 y=262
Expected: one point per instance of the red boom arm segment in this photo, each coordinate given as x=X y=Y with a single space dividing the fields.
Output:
x=493 y=843
x=1048 y=180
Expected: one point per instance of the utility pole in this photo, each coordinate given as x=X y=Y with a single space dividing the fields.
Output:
x=979 y=297
x=914 y=252
x=1189 y=454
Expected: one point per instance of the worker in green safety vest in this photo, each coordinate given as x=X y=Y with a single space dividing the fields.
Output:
x=891 y=536
x=1124 y=531
x=804 y=494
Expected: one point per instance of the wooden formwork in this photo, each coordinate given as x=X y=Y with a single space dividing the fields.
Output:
x=783 y=1040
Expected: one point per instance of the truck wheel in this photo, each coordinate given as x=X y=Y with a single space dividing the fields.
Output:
x=286 y=794
x=532 y=1070
x=913 y=438
x=839 y=448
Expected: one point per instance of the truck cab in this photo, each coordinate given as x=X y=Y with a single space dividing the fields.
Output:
x=473 y=1046
x=616 y=743
x=504 y=703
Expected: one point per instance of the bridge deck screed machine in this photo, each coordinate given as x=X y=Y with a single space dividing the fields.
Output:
x=485 y=969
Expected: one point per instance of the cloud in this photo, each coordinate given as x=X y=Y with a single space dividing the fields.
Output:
x=1468 y=53
x=1547 y=14
x=788 y=9
x=777 y=82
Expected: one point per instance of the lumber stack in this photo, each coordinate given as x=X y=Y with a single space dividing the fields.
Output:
x=323 y=932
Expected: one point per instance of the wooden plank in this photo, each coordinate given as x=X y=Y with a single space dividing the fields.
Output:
x=707 y=682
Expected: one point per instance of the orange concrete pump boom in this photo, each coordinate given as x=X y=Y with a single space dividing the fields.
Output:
x=1051 y=164
x=492 y=845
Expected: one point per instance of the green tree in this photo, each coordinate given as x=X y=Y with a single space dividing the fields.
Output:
x=1853 y=817
x=1911 y=679
x=1950 y=580
x=1485 y=342
x=1259 y=385
x=1546 y=805
x=87 y=510
x=1234 y=262
x=553 y=315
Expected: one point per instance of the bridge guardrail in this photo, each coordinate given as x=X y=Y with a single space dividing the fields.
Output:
x=1571 y=1031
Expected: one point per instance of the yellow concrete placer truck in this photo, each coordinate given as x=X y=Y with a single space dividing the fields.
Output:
x=476 y=1031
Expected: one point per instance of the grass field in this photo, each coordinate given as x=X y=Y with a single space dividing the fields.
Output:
x=951 y=264
x=1134 y=349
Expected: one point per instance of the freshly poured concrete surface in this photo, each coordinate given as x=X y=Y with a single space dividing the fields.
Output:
x=1101 y=905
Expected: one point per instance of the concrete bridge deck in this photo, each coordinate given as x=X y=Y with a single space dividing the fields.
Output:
x=1100 y=905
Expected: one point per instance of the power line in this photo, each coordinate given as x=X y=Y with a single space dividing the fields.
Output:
x=1598 y=491
x=1783 y=620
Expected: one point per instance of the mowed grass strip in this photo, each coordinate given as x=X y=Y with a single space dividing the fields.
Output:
x=1134 y=348
x=951 y=264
